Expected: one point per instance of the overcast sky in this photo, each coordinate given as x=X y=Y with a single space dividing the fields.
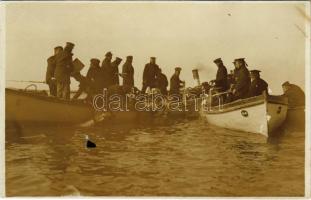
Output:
x=271 y=36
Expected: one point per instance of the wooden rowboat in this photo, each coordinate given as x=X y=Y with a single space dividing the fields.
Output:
x=30 y=106
x=23 y=106
x=262 y=114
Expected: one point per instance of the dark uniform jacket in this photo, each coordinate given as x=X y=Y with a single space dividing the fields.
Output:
x=128 y=74
x=84 y=86
x=115 y=73
x=107 y=73
x=221 y=78
x=162 y=83
x=243 y=82
x=63 y=67
x=149 y=75
x=257 y=87
x=175 y=84
x=296 y=96
x=50 y=69
x=95 y=76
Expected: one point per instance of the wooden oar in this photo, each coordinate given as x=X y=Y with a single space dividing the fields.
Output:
x=22 y=81
x=98 y=117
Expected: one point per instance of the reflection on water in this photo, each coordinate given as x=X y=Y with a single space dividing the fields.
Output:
x=175 y=158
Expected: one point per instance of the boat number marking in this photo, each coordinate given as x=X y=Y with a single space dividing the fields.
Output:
x=244 y=113
x=279 y=110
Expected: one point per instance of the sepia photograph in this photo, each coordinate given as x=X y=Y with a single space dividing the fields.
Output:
x=155 y=98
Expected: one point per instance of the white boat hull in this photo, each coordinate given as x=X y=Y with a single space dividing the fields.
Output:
x=255 y=116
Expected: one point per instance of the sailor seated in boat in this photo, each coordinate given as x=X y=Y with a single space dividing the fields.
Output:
x=242 y=80
x=258 y=85
x=295 y=95
x=218 y=97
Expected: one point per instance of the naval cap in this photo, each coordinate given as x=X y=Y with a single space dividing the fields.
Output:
x=255 y=71
x=108 y=54
x=286 y=83
x=118 y=59
x=58 y=47
x=95 y=61
x=239 y=60
x=218 y=60
x=177 y=69
x=70 y=44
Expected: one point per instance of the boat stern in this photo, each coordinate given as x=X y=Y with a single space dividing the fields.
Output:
x=276 y=112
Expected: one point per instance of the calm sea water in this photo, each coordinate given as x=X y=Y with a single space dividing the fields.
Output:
x=172 y=158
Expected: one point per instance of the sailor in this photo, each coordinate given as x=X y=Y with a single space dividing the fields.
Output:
x=242 y=79
x=107 y=72
x=149 y=75
x=162 y=82
x=115 y=71
x=50 y=71
x=258 y=85
x=94 y=75
x=221 y=76
x=85 y=86
x=176 y=83
x=296 y=96
x=128 y=72
x=63 y=70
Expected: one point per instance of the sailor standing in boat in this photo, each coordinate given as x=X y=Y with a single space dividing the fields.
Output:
x=63 y=70
x=50 y=71
x=107 y=72
x=115 y=71
x=221 y=80
x=162 y=82
x=94 y=75
x=242 y=79
x=128 y=72
x=149 y=75
x=176 y=83
x=258 y=85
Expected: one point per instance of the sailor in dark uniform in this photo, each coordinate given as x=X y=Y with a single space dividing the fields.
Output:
x=94 y=75
x=63 y=69
x=242 y=79
x=176 y=83
x=258 y=85
x=296 y=96
x=85 y=86
x=162 y=82
x=128 y=72
x=107 y=71
x=149 y=75
x=50 y=71
x=221 y=80
x=115 y=71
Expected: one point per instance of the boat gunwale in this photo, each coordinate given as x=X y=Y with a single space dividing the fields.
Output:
x=239 y=107
x=245 y=103
x=46 y=98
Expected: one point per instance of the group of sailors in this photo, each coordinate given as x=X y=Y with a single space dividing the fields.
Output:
x=105 y=75
x=239 y=83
